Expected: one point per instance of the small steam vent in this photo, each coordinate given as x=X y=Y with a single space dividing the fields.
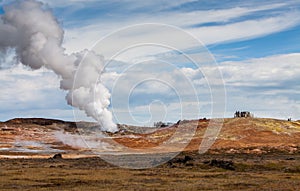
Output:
x=241 y=114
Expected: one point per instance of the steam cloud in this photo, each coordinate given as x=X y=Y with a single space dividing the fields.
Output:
x=77 y=141
x=35 y=35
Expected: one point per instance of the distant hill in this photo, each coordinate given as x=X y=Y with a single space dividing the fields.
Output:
x=37 y=121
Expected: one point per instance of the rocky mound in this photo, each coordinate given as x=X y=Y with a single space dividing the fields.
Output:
x=37 y=121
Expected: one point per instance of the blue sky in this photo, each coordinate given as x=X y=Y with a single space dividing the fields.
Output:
x=256 y=46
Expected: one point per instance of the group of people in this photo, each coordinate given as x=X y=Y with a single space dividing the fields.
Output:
x=242 y=114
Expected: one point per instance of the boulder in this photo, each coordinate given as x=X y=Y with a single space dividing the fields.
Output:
x=57 y=156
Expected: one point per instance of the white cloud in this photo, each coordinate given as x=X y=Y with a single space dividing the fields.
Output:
x=271 y=80
x=23 y=83
x=266 y=86
x=26 y=93
x=274 y=70
x=275 y=106
x=86 y=36
x=246 y=29
x=131 y=4
x=185 y=19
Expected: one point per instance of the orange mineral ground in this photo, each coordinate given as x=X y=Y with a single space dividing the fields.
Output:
x=42 y=138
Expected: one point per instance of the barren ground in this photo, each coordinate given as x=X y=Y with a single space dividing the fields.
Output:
x=249 y=154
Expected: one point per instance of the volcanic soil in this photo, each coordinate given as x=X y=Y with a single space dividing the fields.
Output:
x=248 y=154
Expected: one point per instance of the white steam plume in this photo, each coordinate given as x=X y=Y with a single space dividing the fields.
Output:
x=36 y=36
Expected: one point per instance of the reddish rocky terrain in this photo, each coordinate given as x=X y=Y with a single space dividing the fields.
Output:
x=36 y=137
x=248 y=154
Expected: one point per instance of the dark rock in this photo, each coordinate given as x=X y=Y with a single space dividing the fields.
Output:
x=185 y=161
x=187 y=158
x=227 y=165
x=57 y=156
x=291 y=158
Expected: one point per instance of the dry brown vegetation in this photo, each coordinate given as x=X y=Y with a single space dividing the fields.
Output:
x=276 y=171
